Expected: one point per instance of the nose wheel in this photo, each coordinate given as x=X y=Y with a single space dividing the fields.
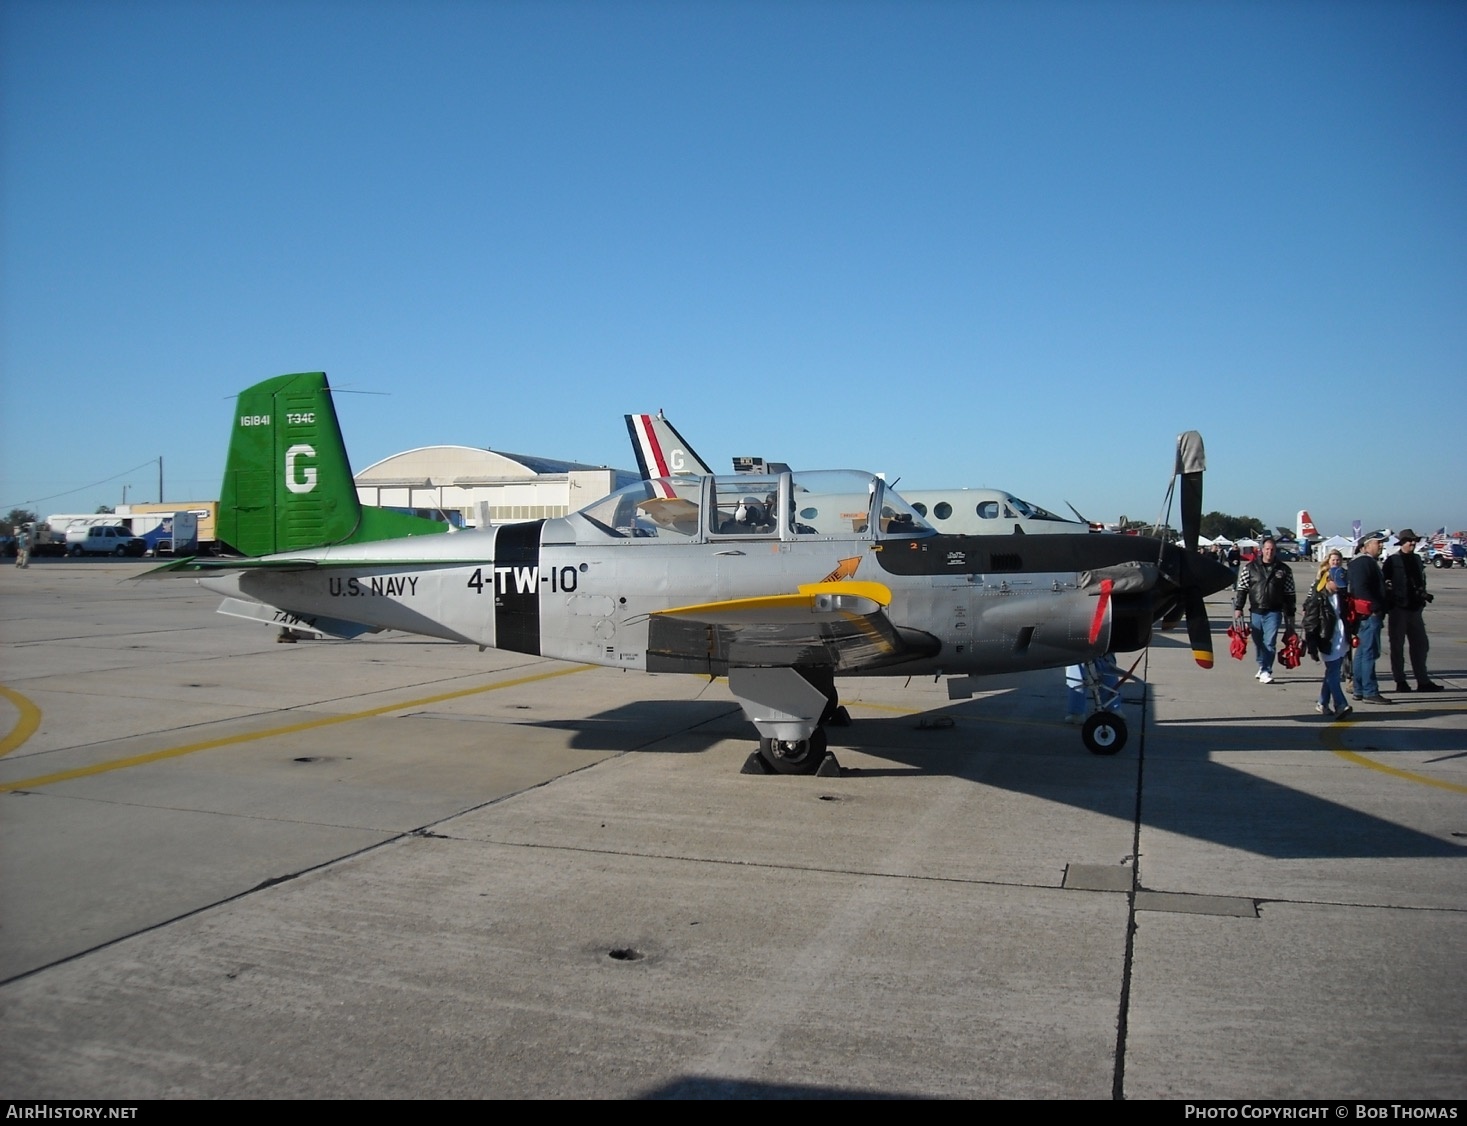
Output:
x=1104 y=733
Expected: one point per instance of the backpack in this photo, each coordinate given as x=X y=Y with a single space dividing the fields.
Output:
x=1319 y=619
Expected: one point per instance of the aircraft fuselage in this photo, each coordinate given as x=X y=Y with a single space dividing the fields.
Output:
x=985 y=604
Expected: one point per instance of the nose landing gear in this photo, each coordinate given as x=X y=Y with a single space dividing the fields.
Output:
x=1104 y=732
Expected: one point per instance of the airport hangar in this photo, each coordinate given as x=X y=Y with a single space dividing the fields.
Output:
x=474 y=487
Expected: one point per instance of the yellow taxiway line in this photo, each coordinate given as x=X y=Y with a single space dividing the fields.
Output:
x=25 y=726
x=251 y=736
x=1330 y=737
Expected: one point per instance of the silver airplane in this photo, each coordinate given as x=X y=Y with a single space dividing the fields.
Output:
x=661 y=450
x=781 y=581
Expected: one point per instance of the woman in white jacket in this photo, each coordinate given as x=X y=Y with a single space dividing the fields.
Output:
x=1327 y=639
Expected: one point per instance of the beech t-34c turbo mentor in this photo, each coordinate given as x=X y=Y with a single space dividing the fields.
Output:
x=781 y=582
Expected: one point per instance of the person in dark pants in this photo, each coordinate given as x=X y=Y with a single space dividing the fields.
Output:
x=1367 y=599
x=1406 y=597
x=1266 y=584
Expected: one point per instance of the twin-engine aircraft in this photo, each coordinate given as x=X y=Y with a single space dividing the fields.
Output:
x=657 y=446
x=781 y=581
x=661 y=450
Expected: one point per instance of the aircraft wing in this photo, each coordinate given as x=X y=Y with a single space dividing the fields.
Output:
x=318 y=624
x=841 y=626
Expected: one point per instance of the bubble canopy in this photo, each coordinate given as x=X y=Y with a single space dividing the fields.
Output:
x=821 y=504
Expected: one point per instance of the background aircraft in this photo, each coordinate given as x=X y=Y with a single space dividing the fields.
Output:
x=1304 y=529
x=781 y=581
x=972 y=512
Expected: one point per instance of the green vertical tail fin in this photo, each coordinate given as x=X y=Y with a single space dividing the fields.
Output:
x=288 y=484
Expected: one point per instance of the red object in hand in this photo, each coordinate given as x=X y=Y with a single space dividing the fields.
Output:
x=1237 y=642
x=1289 y=655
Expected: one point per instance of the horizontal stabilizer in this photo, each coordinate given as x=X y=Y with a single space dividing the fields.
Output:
x=198 y=564
x=318 y=624
x=354 y=561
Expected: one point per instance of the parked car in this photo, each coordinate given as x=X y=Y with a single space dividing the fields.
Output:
x=104 y=539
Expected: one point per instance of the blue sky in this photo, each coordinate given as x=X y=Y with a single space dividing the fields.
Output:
x=1007 y=244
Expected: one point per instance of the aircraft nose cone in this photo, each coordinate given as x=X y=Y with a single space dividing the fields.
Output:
x=1210 y=575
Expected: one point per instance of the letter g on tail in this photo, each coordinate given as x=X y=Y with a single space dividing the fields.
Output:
x=304 y=480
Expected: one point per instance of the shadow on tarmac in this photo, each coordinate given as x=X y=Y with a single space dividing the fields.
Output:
x=994 y=744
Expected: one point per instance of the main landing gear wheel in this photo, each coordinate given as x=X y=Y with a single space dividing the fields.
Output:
x=784 y=756
x=1104 y=733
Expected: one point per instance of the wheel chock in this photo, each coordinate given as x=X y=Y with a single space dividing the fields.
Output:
x=828 y=767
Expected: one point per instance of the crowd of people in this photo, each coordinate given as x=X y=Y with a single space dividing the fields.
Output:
x=1347 y=611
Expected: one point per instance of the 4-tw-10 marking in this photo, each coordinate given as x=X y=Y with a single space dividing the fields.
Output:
x=525 y=580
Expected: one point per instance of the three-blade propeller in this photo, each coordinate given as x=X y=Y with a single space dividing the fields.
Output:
x=1191 y=462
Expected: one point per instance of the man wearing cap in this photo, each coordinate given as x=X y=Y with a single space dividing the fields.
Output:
x=1367 y=601
x=1267 y=586
x=1406 y=597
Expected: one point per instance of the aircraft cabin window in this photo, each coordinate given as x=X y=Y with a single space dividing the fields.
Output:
x=667 y=508
x=900 y=518
x=988 y=510
x=1033 y=511
x=745 y=505
x=942 y=510
x=837 y=503
x=920 y=507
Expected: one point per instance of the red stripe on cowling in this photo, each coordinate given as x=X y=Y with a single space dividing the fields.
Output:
x=1101 y=605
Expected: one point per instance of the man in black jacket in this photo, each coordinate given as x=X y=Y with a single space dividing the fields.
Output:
x=1267 y=585
x=1405 y=598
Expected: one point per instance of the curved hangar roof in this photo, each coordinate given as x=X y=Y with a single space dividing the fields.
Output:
x=469 y=466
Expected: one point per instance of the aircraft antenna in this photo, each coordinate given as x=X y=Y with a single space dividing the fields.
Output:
x=1165 y=517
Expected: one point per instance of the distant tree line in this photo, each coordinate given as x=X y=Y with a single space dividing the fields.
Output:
x=1216 y=524
x=14 y=519
x=18 y=516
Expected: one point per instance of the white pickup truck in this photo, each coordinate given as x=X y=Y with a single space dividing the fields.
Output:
x=103 y=539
